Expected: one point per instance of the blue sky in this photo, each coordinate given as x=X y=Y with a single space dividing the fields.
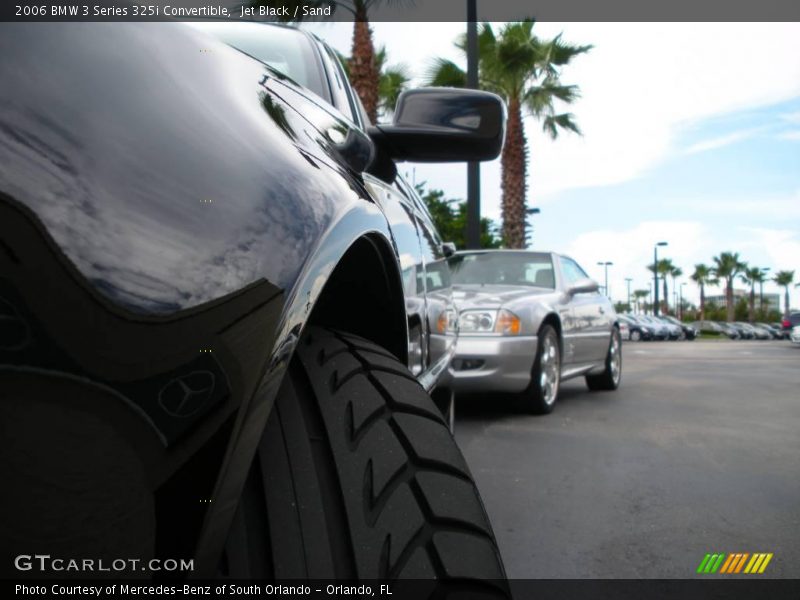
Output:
x=691 y=135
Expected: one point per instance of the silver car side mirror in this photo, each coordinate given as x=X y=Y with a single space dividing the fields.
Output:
x=583 y=286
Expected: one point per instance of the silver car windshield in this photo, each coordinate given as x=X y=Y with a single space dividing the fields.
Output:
x=504 y=268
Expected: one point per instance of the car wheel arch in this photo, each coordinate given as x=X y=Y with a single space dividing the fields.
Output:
x=553 y=320
x=369 y=266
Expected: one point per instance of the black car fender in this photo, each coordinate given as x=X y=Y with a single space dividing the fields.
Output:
x=163 y=243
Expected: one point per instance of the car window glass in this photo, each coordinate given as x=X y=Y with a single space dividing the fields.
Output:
x=572 y=271
x=342 y=92
x=284 y=49
x=504 y=268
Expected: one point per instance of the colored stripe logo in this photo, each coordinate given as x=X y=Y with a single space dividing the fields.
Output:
x=737 y=562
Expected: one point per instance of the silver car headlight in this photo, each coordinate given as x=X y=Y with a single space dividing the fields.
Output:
x=478 y=321
x=497 y=322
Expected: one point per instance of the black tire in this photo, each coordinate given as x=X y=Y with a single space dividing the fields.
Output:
x=357 y=477
x=610 y=378
x=635 y=335
x=537 y=398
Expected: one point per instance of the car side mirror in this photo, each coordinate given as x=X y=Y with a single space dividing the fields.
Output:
x=448 y=249
x=444 y=125
x=583 y=286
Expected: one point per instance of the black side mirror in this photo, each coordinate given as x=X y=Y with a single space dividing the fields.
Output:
x=444 y=125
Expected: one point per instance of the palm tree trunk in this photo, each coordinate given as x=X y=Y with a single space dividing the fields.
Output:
x=729 y=299
x=513 y=164
x=666 y=297
x=702 y=302
x=363 y=71
x=752 y=303
x=786 y=301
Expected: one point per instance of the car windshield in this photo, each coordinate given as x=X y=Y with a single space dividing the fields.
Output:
x=284 y=49
x=534 y=269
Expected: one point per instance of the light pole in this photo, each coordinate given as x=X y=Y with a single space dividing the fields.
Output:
x=628 y=281
x=655 y=276
x=605 y=266
x=761 y=292
x=473 y=168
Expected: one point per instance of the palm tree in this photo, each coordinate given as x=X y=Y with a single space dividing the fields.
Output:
x=525 y=71
x=665 y=267
x=676 y=272
x=639 y=295
x=703 y=276
x=364 y=72
x=752 y=276
x=393 y=80
x=784 y=278
x=727 y=266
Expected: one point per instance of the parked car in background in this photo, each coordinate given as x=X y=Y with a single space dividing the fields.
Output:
x=675 y=331
x=209 y=348
x=787 y=323
x=661 y=331
x=759 y=332
x=529 y=320
x=687 y=331
x=783 y=331
x=714 y=327
x=794 y=337
x=636 y=330
x=775 y=332
x=624 y=331
x=742 y=332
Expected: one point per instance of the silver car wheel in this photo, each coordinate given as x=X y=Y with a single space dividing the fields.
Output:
x=550 y=370
x=615 y=358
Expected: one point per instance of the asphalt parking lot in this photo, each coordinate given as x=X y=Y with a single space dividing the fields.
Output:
x=697 y=452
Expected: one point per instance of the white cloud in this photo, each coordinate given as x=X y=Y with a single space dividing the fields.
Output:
x=790 y=135
x=792 y=117
x=690 y=243
x=722 y=141
x=769 y=207
x=635 y=103
x=782 y=246
x=642 y=84
x=631 y=251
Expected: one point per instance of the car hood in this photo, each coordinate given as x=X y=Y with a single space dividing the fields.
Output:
x=468 y=296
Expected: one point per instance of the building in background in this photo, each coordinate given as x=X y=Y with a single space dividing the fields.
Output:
x=771 y=301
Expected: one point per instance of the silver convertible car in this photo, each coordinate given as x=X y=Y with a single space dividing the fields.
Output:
x=529 y=320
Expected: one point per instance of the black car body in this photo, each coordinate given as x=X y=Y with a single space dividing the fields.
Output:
x=175 y=217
